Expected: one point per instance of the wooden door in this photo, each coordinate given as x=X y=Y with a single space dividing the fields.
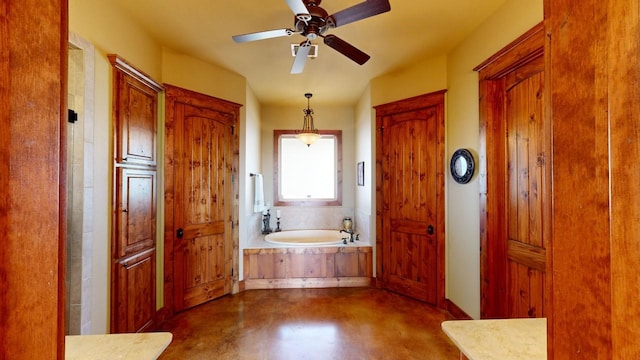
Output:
x=410 y=161
x=202 y=208
x=513 y=164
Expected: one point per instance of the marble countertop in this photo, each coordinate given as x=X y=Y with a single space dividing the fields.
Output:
x=523 y=339
x=138 y=346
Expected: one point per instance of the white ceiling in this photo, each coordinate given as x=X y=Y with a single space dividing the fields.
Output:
x=413 y=30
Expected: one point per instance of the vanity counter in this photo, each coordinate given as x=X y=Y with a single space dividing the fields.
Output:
x=522 y=339
x=138 y=346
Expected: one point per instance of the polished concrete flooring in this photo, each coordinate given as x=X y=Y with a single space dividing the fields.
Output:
x=340 y=323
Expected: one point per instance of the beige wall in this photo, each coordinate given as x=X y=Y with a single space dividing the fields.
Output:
x=365 y=151
x=425 y=76
x=112 y=31
x=193 y=74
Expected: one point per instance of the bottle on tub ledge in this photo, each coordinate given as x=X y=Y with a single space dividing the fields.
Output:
x=266 y=220
x=347 y=224
x=347 y=227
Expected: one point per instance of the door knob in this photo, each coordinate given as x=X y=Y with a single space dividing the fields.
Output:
x=180 y=233
x=430 y=229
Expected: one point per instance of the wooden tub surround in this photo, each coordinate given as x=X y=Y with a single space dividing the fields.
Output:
x=308 y=267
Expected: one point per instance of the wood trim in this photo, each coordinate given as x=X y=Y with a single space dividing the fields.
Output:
x=124 y=66
x=62 y=207
x=624 y=92
x=522 y=50
x=276 y=169
x=301 y=283
x=456 y=311
x=413 y=103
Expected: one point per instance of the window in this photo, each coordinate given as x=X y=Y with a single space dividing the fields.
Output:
x=307 y=175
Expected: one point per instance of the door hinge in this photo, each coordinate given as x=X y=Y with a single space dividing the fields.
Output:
x=233 y=129
x=231 y=272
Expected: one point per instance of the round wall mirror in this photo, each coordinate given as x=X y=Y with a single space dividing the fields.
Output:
x=462 y=166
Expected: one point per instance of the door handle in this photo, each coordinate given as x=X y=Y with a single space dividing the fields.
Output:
x=430 y=229
x=180 y=233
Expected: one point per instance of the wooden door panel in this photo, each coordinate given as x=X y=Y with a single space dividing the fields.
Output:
x=136 y=293
x=202 y=254
x=136 y=124
x=136 y=210
x=526 y=295
x=204 y=277
x=412 y=165
x=412 y=263
x=525 y=248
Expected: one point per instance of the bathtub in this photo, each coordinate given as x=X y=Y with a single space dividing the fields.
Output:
x=306 y=237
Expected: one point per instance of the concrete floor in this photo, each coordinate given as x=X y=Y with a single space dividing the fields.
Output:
x=336 y=323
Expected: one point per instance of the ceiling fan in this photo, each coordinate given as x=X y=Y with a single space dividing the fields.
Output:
x=312 y=21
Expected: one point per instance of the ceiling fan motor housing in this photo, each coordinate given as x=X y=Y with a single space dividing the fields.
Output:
x=318 y=23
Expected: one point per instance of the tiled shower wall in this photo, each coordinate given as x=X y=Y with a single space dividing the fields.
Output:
x=303 y=217
x=79 y=187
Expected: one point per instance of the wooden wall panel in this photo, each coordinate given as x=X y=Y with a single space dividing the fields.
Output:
x=307 y=267
x=33 y=73
x=578 y=85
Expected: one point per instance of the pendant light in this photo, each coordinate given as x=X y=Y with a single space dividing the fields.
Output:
x=309 y=134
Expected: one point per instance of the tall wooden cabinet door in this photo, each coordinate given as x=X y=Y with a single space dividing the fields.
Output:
x=135 y=300
x=135 y=211
x=135 y=121
x=202 y=249
x=411 y=191
x=133 y=251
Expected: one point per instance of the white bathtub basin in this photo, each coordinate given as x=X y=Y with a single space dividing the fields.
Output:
x=306 y=237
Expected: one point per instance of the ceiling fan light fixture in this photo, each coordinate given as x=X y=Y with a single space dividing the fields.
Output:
x=309 y=134
x=313 y=51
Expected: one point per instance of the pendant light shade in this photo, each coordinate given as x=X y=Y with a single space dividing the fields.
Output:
x=309 y=134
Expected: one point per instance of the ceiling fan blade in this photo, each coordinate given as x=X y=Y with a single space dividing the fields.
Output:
x=299 y=9
x=301 y=57
x=346 y=49
x=262 y=35
x=360 y=11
